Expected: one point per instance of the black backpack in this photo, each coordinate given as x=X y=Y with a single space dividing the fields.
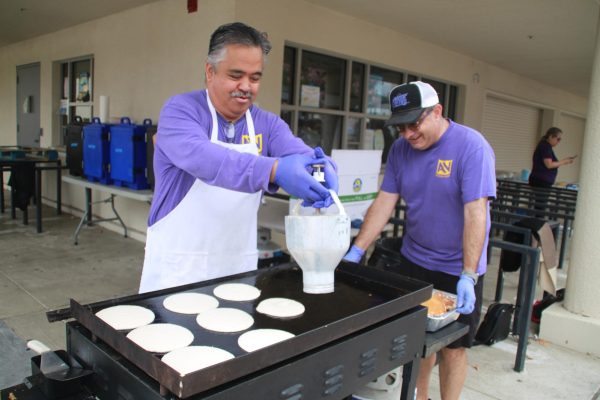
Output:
x=496 y=324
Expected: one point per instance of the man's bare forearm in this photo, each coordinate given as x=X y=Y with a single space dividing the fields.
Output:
x=377 y=217
x=475 y=214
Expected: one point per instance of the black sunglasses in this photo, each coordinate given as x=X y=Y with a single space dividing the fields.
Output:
x=401 y=128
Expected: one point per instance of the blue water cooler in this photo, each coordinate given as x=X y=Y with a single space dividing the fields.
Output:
x=128 y=154
x=96 y=151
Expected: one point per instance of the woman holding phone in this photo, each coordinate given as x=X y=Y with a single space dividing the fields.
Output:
x=545 y=167
x=545 y=162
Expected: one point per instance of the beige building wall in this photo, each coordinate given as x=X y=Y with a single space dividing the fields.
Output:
x=144 y=55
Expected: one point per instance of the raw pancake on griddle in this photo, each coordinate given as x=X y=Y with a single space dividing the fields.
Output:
x=190 y=303
x=161 y=338
x=280 y=307
x=258 y=338
x=225 y=320
x=236 y=292
x=126 y=317
x=193 y=358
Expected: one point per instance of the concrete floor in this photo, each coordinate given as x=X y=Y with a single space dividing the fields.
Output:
x=41 y=272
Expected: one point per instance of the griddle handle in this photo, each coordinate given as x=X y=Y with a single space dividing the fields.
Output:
x=66 y=313
x=59 y=315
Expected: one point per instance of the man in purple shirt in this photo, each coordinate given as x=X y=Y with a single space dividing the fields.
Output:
x=215 y=153
x=444 y=172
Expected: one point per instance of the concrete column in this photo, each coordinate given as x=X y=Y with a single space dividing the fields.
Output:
x=576 y=323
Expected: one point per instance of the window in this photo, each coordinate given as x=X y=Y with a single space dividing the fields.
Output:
x=339 y=103
x=289 y=69
x=353 y=133
x=322 y=81
x=357 y=87
x=288 y=116
x=378 y=137
x=75 y=83
x=381 y=83
x=322 y=130
x=452 y=99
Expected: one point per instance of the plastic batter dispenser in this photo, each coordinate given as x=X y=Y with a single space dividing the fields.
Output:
x=318 y=242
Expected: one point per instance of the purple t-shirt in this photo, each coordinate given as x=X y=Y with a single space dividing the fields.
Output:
x=435 y=184
x=184 y=152
x=539 y=170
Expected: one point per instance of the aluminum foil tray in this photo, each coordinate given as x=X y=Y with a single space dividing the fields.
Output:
x=438 y=321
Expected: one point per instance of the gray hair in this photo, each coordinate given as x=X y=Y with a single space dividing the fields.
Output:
x=235 y=33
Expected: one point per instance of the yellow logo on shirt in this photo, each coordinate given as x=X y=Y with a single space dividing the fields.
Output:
x=258 y=139
x=444 y=169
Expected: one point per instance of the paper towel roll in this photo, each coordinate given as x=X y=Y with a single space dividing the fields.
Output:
x=104 y=113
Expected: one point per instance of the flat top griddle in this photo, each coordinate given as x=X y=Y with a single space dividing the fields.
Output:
x=363 y=296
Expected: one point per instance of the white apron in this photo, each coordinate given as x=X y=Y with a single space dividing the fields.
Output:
x=211 y=233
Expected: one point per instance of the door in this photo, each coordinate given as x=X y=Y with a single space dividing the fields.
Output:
x=513 y=130
x=28 y=105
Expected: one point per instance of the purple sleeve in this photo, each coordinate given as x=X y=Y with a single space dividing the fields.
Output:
x=478 y=174
x=280 y=140
x=184 y=153
x=390 y=183
x=185 y=140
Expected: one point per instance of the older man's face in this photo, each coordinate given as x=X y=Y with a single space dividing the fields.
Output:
x=233 y=85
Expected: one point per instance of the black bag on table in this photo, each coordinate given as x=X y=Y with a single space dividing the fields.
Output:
x=496 y=324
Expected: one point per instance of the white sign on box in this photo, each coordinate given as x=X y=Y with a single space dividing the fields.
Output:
x=358 y=173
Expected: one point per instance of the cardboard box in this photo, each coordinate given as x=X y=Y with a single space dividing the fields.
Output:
x=358 y=172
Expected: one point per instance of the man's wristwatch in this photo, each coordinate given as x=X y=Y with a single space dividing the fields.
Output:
x=472 y=275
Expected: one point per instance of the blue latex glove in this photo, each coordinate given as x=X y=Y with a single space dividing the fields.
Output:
x=331 y=180
x=331 y=177
x=465 y=295
x=319 y=204
x=355 y=254
x=356 y=223
x=293 y=177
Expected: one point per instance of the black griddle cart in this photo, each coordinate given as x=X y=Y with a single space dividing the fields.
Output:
x=371 y=324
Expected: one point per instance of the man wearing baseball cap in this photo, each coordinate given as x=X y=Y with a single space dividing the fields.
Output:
x=445 y=174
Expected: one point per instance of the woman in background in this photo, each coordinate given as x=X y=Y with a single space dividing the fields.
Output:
x=545 y=167
x=545 y=163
